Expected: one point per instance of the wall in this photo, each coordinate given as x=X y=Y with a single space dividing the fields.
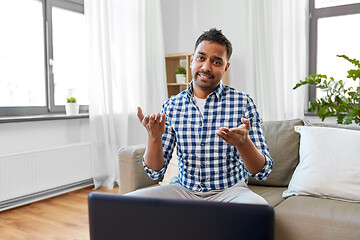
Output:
x=43 y=156
x=170 y=17
x=38 y=135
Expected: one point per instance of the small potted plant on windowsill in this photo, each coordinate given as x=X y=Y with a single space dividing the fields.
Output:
x=180 y=74
x=72 y=107
x=340 y=101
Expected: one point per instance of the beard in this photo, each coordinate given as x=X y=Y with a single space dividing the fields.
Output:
x=205 y=80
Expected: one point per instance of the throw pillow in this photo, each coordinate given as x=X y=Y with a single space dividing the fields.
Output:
x=329 y=164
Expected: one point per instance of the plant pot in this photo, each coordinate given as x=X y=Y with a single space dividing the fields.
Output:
x=180 y=78
x=72 y=109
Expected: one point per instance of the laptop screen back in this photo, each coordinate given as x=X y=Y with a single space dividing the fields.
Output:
x=123 y=217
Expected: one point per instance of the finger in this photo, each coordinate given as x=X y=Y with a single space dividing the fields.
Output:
x=224 y=130
x=163 y=119
x=157 y=118
x=152 y=120
x=246 y=122
x=239 y=130
x=140 y=114
x=222 y=135
x=145 y=120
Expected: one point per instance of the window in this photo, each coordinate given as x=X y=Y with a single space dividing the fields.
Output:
x=42 y=56
x=334 y=30
x=68 y=32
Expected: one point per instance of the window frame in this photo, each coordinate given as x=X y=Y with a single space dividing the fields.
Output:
x=50 y=108
x=315 y=14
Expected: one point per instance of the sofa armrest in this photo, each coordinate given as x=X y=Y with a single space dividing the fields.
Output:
x=132 y=174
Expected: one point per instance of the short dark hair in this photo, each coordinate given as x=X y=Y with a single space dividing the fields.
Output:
x=215 y=35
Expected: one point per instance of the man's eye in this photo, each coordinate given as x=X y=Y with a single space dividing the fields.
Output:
x=218 y=63
x=199 y=58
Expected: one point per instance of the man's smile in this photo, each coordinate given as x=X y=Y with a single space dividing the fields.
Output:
x=204 y=76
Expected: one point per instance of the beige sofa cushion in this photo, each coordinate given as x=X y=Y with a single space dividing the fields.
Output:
x=304 y=217
x=283 y=143
x=273 y=195
x=131 y=171
x=172 y=170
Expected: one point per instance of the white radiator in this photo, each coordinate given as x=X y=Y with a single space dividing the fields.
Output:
x=29 y=173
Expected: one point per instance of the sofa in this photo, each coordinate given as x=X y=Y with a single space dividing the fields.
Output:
x=314 y=186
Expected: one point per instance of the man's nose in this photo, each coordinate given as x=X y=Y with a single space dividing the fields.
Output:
x=206 y=66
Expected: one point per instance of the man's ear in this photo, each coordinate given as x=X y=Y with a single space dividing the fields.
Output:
x=191 y=59
x=227 y=66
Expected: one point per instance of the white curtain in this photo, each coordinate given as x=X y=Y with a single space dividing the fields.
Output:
x=277 y=56
x=126 y=70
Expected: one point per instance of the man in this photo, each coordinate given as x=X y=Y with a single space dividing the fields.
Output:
x=216 y=130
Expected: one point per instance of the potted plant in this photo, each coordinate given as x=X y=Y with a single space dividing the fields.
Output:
x=339 y=101
x=72 y=107
x=180 y=74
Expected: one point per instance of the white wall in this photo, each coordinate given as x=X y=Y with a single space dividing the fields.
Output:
x=42 y=155
x=170 y=18
x=39 y=135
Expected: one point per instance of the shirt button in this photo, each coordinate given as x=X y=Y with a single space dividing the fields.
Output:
x=202 y=165
x=203 y=144
x=200 y=124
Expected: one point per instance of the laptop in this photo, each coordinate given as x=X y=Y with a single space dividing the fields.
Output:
x=114 y=216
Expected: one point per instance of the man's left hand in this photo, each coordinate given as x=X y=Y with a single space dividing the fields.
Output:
x=235 y=136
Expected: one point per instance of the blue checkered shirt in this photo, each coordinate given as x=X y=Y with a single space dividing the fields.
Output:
x=206 y=162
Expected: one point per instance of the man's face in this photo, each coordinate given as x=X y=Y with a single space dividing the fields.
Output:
x=208 y=65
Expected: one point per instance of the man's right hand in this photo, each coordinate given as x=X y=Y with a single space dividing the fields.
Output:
x=154 y=124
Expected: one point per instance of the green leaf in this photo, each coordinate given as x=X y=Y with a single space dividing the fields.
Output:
x=354 y=74
x=353 y=61
x=180 y=70
x=340 y=101
x=71 y=100
x=340 y=118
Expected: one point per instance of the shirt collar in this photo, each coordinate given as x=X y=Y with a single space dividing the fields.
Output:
x=217 y=92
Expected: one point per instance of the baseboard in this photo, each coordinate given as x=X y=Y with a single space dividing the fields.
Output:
x=23 y=200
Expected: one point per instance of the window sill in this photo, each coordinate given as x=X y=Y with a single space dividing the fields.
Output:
x=309 y=114
x=49 y=117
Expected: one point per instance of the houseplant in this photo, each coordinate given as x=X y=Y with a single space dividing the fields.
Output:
x=72 y=107
x=180 y=74
x=339 y=101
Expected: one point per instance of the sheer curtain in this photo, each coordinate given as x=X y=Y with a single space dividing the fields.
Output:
x=127 y=69
x=277 y=56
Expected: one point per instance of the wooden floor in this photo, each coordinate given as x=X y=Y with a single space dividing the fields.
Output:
x=63 y=217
